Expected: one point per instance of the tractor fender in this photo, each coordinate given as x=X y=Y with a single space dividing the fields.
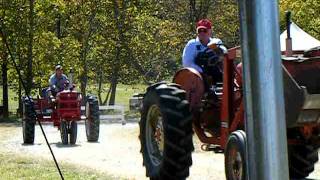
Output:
x=191 y=81
x=191 y=70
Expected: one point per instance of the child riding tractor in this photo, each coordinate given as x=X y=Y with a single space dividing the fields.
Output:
x=61 y=104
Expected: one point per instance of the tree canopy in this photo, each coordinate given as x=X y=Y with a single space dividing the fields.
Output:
x=120 y=41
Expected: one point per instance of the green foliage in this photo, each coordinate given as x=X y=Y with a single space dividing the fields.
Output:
x=13 y=166
x=305 y=13
x=143 y=41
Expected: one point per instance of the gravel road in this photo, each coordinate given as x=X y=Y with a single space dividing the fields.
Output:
x=117 y=152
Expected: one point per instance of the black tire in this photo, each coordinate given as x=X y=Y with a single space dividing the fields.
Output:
x=92 y=121
x=302 y=159
x=28 y=122
x=64 y=132
x=73 y=132
x=166 y=114
x=235 y=161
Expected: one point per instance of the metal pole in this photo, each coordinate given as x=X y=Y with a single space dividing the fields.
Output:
x=265 y=118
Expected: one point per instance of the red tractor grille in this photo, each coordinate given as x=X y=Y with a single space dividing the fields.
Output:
x=68 y=105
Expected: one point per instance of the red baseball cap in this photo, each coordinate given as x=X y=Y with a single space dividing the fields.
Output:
x=204 y=23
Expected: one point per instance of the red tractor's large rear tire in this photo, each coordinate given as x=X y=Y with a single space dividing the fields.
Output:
x=166 y=132
x=28 y=122
x=92 y=121
x=73 y=132
x=64 y=132
x=235 y=161
x=302 y=159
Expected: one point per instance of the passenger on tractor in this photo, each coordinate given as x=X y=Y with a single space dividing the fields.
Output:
x=57 y=82
x=199 y=56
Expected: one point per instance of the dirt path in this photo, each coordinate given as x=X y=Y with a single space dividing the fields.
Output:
x=116 y=153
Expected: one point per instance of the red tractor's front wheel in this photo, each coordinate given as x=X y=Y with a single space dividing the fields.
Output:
x=73 y=132
x=64 y=132
x=235 y=161
x=68 y=132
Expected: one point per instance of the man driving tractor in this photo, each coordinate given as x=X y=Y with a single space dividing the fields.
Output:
x=57 y=81
x=196 y=49
x=199 y=56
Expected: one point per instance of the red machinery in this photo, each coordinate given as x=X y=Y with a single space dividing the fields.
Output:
x=170 y=112
x=64 y=111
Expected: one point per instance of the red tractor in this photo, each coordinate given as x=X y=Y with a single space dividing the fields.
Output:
x=64 y=110
x=172 y=111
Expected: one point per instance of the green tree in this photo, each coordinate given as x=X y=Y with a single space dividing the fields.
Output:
x=305 y=13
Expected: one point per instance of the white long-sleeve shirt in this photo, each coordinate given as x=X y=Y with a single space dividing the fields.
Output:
x=192 y=49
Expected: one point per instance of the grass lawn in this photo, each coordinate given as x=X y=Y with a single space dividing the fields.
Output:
x=13 y=166
x=124 y=92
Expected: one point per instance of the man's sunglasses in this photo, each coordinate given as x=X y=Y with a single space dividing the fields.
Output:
x=202 y=30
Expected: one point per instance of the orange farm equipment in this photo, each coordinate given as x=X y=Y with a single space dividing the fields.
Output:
x=171 y=112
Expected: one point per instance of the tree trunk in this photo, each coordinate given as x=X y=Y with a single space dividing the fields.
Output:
x=83 y=81
x=19 y=110
x=20 y=100
x=58 y=32
x=114 y=83
x=108 y=94
x=119 y=18
x=83 y=55
x=30 y=54
x=5 y=87
x=99 y=79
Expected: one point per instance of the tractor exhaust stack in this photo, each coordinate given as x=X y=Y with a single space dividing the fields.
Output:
x=288 y=52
